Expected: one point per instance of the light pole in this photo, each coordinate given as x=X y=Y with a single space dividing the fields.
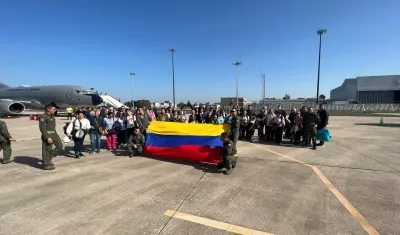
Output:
x=237 y=63
x=319 y=32
x=172 y=50
x=133 y=105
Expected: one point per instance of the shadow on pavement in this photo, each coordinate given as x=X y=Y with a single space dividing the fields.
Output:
x=285 y=143
x=205 y=167
x=68 y=151
x=377 y=124
x=29 y=161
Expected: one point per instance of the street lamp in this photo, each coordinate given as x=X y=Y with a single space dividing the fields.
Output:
x=133 y=105
x=319 y=32
x=237 y=63
x=172 y=50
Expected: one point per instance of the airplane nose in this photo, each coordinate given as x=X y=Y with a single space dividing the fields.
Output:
x=96 y=100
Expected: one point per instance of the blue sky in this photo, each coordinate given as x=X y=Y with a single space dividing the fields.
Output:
x=97 y=43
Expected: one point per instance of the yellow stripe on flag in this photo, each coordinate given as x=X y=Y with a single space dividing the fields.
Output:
x=187 y=129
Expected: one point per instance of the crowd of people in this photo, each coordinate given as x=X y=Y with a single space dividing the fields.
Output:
x=120 y=126
x=126 y=129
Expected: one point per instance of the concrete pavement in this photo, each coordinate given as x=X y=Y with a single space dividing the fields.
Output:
x=349 y=186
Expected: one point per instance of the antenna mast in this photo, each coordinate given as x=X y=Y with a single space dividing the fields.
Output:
x=263 y=87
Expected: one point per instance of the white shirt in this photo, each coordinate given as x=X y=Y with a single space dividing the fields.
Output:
x=83 y=125
x=130 y=119
x=268 y=119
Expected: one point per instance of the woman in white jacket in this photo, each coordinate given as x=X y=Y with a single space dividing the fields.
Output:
x=77 y=130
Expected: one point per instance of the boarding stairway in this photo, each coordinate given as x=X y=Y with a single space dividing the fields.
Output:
x=109 y=100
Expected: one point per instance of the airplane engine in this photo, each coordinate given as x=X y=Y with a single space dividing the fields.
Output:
x=11 y=107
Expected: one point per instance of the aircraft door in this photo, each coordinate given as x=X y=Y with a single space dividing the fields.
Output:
x=69 y=94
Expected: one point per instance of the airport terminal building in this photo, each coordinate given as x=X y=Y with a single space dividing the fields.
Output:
x=369 y=90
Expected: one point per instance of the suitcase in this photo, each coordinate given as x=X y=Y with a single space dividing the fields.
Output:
x=255 y=138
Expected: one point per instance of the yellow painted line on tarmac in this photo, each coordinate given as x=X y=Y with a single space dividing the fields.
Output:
x=214 y=224
x=350 y=208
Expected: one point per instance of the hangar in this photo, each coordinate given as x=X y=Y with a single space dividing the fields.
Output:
x=369 y=90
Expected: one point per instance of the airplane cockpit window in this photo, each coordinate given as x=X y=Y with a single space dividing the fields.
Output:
x=82 y=92
x=88 y=92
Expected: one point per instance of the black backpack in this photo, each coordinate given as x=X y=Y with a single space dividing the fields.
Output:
x=73 y=127
x=65 y=127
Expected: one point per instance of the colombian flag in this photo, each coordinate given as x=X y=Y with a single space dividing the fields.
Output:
x=185 y=141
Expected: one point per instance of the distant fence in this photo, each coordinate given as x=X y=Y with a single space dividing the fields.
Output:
x=335 y=107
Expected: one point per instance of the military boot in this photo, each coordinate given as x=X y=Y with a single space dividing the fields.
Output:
x=228 y=171
x=6 y=161
x=314 y=145
x=49 y=168
x=234 y=163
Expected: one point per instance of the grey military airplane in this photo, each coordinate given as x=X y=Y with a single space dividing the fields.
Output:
x=61 y=96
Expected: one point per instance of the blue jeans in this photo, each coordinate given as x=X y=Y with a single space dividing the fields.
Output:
x=95 y=140
x=261 y=131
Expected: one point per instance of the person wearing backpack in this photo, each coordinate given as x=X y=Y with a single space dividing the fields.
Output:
x=77 y=130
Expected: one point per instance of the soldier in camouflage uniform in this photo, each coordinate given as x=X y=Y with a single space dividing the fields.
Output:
x=142 y=120
x=234 y=130
x=47 y=126
x=310 y=120
x=136 y=143
x=162 y=117
x=5 y=142
x=228 y=160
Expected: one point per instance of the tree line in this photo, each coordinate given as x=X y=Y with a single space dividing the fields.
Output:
x=188 y=104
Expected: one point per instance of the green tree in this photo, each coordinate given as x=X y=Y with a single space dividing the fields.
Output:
x=189 y=104
x=142 y=103
x=322 y=97
x=181 y=105
x=286 y=97
x=128 y=104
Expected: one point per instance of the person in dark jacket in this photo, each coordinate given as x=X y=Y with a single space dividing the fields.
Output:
x=96 y=131
x=289 y=125
x=324 y=118
x=103 y=112
x=260 y=123
x=234 y=131
x=310 y=121
x=282 y=111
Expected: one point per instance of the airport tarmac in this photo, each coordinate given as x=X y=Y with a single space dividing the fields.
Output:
x=349 y=186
